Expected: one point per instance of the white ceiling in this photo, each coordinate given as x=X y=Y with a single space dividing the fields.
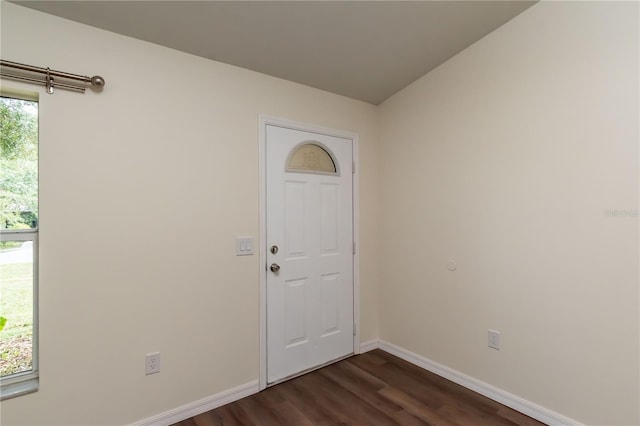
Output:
x=360 y=49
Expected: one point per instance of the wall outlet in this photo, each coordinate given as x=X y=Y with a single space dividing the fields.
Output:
x=152 y=363
x=494 y=339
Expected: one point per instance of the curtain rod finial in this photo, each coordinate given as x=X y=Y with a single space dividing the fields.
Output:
x=97 y=81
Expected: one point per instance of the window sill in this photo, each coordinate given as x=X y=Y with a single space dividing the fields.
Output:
x=18 y=388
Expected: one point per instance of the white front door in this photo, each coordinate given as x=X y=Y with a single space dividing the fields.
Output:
x=309 y=237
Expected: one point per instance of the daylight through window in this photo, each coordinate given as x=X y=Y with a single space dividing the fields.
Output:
x=18 y=245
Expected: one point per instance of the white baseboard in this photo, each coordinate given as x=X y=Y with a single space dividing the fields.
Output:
x=519 y=404
x=369 y=345
x=198 y=407
x=505 y=398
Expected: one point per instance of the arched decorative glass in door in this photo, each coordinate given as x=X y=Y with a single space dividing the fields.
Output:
x=312 y=157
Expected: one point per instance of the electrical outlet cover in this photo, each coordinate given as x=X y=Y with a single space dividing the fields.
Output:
x=152 y=363
x=493 y=339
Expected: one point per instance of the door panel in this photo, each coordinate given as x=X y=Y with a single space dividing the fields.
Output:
x=330 y=215
x=310 y=219
x=295 y=316
x=330 y=285
x=295 y=218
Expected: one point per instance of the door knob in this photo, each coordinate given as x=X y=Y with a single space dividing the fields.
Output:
x=274 y=267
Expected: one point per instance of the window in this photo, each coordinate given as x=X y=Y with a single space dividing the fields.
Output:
x=18 y=243
x=311 y=157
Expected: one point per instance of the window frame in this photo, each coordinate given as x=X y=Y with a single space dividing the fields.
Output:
x=27 y=381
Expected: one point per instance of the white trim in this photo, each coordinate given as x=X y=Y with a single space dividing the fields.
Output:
x=503 y=397
x=356 y=240
x=201 y=406
x=369 y=345
x=262 y=254
x=265 y=120
x=304 y=127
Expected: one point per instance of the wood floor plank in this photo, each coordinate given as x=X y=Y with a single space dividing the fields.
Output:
x=362 y=389
x=205 y=419
x=405 y=418
x=308 y=402
x=397 y=377
x=372 y=389
x=464 y=415
x=335 y=397
x=516 y=417
x=359 y=375
x=258 y=412
x=463 y=396
x=285 y=411
x=416 y=408
x=231 y=415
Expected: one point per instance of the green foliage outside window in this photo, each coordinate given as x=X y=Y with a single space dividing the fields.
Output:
x=18 y=164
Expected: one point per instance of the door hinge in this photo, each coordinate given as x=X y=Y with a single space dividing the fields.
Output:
x=354 y=247
x=353 y=169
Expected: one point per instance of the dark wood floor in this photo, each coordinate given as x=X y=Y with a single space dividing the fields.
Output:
x=374 y=388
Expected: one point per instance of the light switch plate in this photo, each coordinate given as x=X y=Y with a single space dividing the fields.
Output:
x=244 y=246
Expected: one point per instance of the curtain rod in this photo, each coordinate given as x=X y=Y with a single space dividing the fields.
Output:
x=96 y=81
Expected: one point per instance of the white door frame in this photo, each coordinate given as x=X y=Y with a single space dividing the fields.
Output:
x=305 y=127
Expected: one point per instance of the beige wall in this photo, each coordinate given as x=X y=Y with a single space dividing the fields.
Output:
x=506 y=159
x=143 y=190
